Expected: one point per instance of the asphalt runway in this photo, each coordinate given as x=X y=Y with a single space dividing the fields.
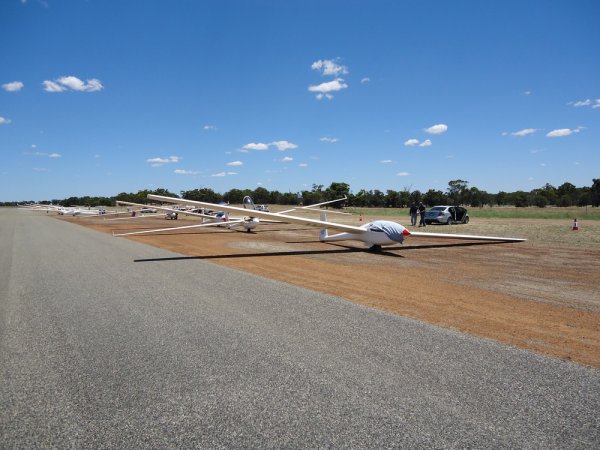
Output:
x=106 y=343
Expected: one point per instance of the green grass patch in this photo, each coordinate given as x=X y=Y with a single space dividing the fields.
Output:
x=498 y=212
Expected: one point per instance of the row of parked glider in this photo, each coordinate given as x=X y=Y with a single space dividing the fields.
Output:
x=373 y=234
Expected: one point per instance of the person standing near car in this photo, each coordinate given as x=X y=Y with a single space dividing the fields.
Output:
x=413 y=214
x=422 y=214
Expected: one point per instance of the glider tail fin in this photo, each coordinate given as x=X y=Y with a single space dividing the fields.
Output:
x=323 y=234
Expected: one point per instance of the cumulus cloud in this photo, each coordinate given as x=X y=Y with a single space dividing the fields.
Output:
x=279 y=145
x=255 y=146
x=365 y=80
x=437 y=129
x=13 y=86
x=287 y=159
x=329 y=67
x=524 y=132
x=402 y=174
x=72 y=83
x=328 y=139
x=563 y=132
x=325 y=89
x=235 y=163
x=425 y=143
x=4 y=121
x=186 y=172
x=51 y=86
x=157 y=162
x=283 y=145
x=411 y=142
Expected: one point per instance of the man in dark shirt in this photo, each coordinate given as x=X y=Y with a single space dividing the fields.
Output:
x=422 y=214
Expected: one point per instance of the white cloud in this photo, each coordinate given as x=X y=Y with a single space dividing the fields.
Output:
x=328 y=139
x=280 y=145
x=186 y=172
x=527 y=93
x=73 y=83
x=284 y=145
x=4 y=121
x=157 y=162
x=365 y=80
x=51 y=86
x=425 y=143
x=255 y=146
x=235 y=163
x=386 y=161
x=411 y=142
x=329 y=67
x=13 y=86
x=223 y=174
x=302 y=165
x=48 y=155
x=437 y=129
x=324 y=89
x=587 y=102
x=40 y=169
x=209 y=128
x=287 y=159
x=524 y=132
x=402 y=174
x=563 y=132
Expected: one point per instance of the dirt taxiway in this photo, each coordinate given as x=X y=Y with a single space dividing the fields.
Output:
x=542 y=295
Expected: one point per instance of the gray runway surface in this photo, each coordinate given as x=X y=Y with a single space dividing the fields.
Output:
x=98 y=350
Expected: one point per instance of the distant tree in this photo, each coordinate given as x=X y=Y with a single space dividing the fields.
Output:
x=377 y=198
x=540 y=201
x=434 y=197
x=476 y=198
x=520 y=199
x=457 y=190
x=289 y=198
x=415 y=197
x=360 y=199
x=235 y=196
x=500 y=198
x=202 y=195
x=392 y=199
x=337 y=190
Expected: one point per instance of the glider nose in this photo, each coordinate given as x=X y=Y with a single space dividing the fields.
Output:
x=405 y=232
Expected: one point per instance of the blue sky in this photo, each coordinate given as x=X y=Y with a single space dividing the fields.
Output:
x=103 y=96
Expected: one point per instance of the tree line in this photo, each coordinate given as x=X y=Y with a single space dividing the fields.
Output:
x=457 y=193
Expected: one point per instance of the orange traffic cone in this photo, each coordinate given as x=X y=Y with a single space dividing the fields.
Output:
x=575 y=225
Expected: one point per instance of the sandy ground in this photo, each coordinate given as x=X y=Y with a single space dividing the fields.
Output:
x=542 y=295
